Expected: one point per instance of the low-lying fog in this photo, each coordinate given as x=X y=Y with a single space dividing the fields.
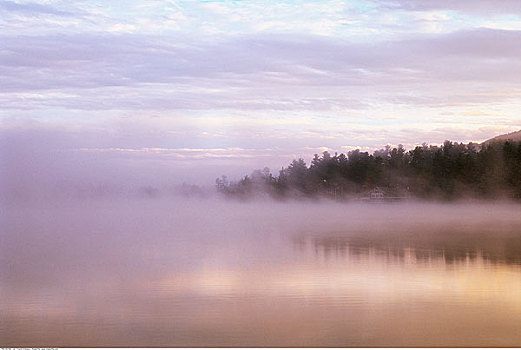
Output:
x=210 y=272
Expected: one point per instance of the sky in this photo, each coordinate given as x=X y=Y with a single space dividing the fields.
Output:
x=185 y=91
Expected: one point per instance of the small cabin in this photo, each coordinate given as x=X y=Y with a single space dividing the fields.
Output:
x=376 y=194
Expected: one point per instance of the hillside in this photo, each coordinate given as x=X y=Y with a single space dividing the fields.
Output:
x=514 y=136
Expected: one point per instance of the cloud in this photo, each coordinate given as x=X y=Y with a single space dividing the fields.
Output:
x=286 y=72
x=482 y=7
x=32 y=9
x=189 y=154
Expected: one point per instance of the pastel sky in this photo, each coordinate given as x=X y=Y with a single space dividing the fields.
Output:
x=195 y=89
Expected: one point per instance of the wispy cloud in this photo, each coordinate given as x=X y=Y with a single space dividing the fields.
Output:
x=259 y=72
x=182 y=153
x=32 y=9
x=483 y=7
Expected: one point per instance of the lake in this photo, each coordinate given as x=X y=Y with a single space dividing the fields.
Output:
x=185 y=272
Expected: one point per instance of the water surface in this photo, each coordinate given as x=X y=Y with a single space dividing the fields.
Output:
x=212 y=273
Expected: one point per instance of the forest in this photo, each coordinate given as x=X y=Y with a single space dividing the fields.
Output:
x=446 y=172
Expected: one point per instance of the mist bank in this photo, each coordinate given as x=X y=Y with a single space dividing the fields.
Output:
x=459 y=230
x=49 y=164
x=43 y=163
x=450 y=172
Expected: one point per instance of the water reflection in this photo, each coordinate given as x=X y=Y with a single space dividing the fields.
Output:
x=437 y=247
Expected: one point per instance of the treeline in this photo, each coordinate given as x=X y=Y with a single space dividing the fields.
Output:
x=449 y=171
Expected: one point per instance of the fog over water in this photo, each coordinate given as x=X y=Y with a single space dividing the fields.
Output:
x=43 y=161
x=193 y=272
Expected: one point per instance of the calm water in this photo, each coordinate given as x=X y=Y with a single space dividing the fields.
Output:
x=174 y=273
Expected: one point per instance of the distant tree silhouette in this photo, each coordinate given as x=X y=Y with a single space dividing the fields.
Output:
x=446 y=172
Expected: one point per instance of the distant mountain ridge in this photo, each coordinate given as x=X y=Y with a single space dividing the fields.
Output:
x=514 y=136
